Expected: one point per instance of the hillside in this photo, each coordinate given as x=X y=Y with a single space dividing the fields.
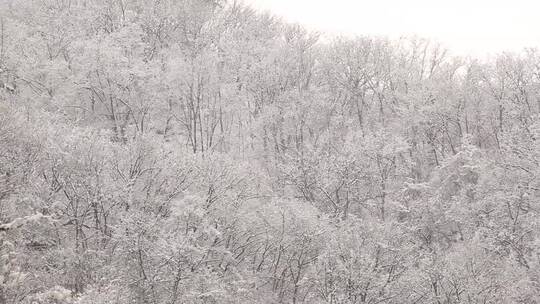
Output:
x=198 y=151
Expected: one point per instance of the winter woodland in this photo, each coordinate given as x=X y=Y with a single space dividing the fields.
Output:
x=198 y=152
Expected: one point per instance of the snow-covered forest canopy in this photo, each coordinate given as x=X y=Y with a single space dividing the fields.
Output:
x=198 y=151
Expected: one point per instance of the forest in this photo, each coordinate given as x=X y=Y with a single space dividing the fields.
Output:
x=203 y=152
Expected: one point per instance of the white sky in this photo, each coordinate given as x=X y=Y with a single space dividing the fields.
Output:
x=467 y=27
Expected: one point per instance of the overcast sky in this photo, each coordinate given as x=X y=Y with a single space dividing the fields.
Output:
x=467 y=27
